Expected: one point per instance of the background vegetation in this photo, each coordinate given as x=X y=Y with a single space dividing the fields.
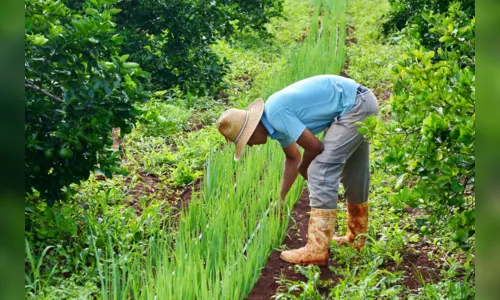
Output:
x=89 y=62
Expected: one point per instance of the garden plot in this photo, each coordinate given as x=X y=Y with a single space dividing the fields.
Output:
x=225 y=236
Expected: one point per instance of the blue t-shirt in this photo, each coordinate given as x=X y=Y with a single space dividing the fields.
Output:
x=312 y=103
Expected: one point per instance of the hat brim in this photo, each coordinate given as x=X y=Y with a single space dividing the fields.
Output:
x=255 y=111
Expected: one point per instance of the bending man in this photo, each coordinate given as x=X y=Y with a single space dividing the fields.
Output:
x=293 y=116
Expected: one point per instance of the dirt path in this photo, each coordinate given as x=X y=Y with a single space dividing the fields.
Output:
x=267 y=284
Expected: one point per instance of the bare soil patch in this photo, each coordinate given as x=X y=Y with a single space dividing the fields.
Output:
x=182 y=196
x=150 y=185
x=115 y=134
x=416 y=266
x=177 y=197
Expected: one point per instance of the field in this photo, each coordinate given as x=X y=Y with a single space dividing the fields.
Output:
x=134 y=194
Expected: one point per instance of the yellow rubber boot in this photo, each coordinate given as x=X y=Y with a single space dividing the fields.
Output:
x=319 y=236
x=357 y=223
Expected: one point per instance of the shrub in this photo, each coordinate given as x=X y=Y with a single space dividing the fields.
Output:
x=411 y=14
x=429 y=142
x=79 y=85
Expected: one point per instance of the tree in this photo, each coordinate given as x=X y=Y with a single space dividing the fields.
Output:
x=171 y=38
x=78 y=86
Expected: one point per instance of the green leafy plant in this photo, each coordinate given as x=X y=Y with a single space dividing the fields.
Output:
x=303 y=290
x=162 y=119
x=171 y=39
x=429 y=142
x=82 y=232
x=411 y=15
x=79 y=85
x=448 y=286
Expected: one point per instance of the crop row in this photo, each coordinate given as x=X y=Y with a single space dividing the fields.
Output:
x=222 y=240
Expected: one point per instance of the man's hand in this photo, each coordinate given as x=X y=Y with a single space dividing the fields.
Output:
x=312 y=148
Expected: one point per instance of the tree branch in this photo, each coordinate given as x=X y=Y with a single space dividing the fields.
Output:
x=29 y=84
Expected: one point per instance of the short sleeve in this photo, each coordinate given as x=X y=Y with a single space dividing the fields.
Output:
x=284 y=140
x=286 y=122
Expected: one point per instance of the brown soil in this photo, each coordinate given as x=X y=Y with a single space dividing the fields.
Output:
x=195 y=124
x=267 y=284
x=350 y=39
x=178 y=197
x=115 y=134
x=147 y=185
x=416 y=266
x=181 y=197
x=302 y=37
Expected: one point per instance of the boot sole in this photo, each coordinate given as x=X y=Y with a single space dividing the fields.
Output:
x=313 y=262
x=318 y=263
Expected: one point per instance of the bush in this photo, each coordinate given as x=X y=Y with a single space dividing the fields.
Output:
x=429 y=142
x=410 y=14
x=79 y=85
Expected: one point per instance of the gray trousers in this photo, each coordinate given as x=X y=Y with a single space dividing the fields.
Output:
x=346 y=159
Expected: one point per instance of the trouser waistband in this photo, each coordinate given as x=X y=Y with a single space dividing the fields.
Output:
x=361 y=89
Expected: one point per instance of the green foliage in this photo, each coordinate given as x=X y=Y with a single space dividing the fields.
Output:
x=411 y=14
x=429 y=142
x=162 y=119
x=303 y=290
x=99 y=217
x=449 y=287
x=370 y=53
x=180 y=157
x=79 y=85
x=171 y=39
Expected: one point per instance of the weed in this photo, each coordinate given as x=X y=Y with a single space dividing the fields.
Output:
x=304 y=290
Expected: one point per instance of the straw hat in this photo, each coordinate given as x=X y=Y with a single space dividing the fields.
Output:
x=238 y=125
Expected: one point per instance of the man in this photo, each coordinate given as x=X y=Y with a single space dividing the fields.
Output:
x=293 y=116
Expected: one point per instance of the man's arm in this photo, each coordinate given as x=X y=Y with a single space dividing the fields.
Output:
x=293 y=164
x=312 y=148
x=290 y=171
